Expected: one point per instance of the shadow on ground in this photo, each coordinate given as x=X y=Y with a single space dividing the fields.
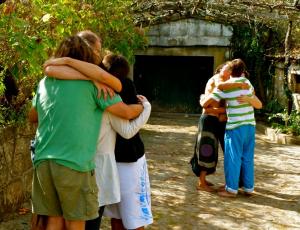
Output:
x=176 y=204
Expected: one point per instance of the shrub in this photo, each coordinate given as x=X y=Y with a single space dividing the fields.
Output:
x=30 y=30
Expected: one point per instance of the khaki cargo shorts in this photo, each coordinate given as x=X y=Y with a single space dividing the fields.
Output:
x=60 y=191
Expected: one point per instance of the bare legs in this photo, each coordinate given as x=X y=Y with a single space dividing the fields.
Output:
x=55 y=223
x=75 y=225
x=59 y=223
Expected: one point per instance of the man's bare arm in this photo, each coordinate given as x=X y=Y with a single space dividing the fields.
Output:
x=64 y=72
x=231 y=85
x=90 y=70
x=68 y=73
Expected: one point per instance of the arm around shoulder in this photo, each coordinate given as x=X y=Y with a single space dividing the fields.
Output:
x=90 y=70
x=231 y=85
x=95 y=73
x=64 y=72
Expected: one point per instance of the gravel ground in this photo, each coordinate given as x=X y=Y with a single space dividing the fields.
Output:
x=176 y=204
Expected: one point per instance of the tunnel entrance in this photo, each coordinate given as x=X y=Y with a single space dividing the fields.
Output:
x=172 y=83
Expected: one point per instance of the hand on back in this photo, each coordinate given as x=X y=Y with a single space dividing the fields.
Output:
x=142 y=99
x=105 y=89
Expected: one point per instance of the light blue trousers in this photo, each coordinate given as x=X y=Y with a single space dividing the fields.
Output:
x=239 y=158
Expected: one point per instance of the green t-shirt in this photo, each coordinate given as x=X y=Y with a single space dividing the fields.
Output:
x=70 y=115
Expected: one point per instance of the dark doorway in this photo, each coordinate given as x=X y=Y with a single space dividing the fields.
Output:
x=173 y=83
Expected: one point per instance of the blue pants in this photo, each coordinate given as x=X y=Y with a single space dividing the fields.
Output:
x=239 y=158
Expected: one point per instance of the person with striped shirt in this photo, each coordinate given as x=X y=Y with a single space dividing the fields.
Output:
x=240 y=131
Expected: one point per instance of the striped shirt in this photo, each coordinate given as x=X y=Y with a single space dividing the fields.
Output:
x=237 y=114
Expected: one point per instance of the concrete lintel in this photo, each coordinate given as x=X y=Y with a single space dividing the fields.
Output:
x=189 y=32
x=188 y=41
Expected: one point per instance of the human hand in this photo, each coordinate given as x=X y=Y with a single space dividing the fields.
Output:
x=105 y=89
x=142 y=99
x=243 y=99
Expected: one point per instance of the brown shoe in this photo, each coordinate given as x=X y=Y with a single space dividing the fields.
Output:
x=226 y=194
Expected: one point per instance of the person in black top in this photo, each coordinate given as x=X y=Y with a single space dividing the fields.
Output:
x=131 y=161
x=133 y=148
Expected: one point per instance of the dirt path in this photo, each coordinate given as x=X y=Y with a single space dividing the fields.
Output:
x=169 y=141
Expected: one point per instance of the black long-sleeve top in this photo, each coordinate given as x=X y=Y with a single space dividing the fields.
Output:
x=129 y=150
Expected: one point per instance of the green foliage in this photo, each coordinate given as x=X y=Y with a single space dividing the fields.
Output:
x=252 y=43
x=2 y=86
x=286 y=123
x=31 y=30
x=273 y=106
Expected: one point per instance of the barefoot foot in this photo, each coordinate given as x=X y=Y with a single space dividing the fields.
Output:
x=221 y=188
x=204 y=188
x=248 y=194
x=209 y=183
x=226 y=194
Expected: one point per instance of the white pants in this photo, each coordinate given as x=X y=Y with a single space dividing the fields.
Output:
x=135 y=206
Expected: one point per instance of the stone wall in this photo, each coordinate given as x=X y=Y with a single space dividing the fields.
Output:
x=15 y=167
x=190 y=32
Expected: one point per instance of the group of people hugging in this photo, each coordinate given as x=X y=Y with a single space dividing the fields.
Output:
x=227 y=118
x=88 y=157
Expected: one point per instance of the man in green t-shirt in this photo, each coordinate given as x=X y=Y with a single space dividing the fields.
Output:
x=69 y=116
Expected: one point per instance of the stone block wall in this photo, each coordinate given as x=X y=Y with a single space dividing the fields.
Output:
x=190 y=32
x=15 y=167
